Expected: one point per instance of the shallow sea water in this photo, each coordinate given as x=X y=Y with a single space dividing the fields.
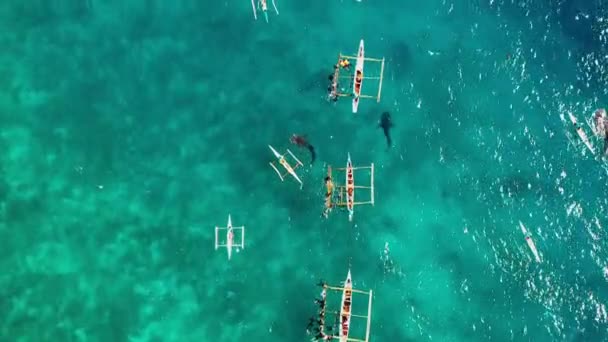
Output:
x=130 y=129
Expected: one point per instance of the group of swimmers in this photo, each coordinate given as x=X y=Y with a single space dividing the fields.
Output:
x=332 y=89
x=387 y=263
x=317 y=325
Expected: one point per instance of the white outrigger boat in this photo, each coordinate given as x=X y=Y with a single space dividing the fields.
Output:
x=290 y=170
x=350 y=189
x=581 y=133
x=230 y=241
x=530 y=242
x=345 y=308
x=263 y=5
x=356 y=79
x=346 y=313
x=346 y=192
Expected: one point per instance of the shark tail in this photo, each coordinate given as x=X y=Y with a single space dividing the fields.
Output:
x=312 y=153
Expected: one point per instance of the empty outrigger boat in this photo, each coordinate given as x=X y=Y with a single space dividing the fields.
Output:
x=357 y=78
x=345 y=196
x=346 y=313
x=263 y=5
x=290 y=170
x=230 y=240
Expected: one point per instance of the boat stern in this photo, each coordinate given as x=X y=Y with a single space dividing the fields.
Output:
x=355 y=104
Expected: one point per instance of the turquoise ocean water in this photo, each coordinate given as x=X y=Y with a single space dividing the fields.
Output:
x=130 y=129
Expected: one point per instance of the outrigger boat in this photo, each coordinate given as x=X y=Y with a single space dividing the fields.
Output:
x=346 y=313
x=357 y=78
x=350 y=189
x=230 y=241
x=345 y=309
x=530 y=242
x=346 y=193
x=581 y=133
x=263 y=5
x=290 y=170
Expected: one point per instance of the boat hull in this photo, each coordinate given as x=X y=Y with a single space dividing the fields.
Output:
x=229 y=237
x=530 y=242
x=229 y=241
x=358 y=78
x=350 y=188
x=345 y=311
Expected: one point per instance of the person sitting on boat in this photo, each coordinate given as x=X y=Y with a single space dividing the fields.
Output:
x=345 y=63
x=359 y=76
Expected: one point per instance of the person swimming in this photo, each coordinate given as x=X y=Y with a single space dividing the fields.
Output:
x=332 y=89
x=344 y=63
x=300 y=140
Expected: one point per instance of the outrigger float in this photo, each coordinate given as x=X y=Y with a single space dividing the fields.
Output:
x=345 y=196
x=230 y=240
x=262 y=5
x=356 y=79
x=345 y=314
x=285 y=164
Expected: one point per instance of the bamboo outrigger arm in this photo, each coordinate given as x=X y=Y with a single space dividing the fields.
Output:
x=345 y=313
